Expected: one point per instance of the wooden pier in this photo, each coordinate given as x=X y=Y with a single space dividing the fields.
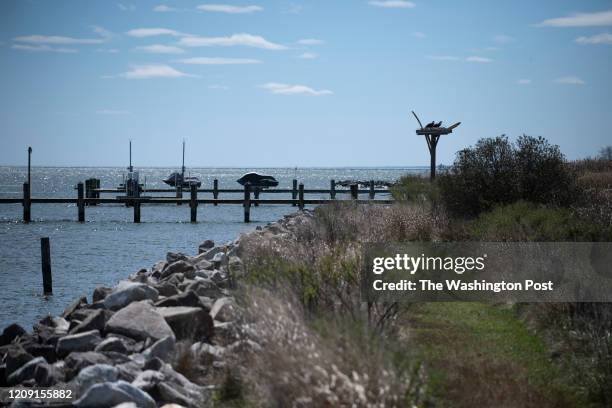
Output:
x=89 y=194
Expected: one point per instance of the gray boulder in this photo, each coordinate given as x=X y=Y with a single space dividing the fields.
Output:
x=206 y=245
x=76 y=304
x=16 y=357
x=109 y=394
x=162 y=349
x=77 y=361
x=166 y=289
x=187 y=298
x=47 y=375
x=95 y=321
x=172 y=257
x=128 y=292
x=25 y=372
x=95 y=374
x=180 y=266
x=11 y=332
x=112 y=344
x=210 y=254
x=100 y=293
x=147 y=380
x=85 y=341
x=224 y=309
x=188 y=322
x=139 y=320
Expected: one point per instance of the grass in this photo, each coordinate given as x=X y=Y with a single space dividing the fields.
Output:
x=482 y=355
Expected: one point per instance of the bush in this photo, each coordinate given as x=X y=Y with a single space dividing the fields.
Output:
x=497 y=171
x=415 y=188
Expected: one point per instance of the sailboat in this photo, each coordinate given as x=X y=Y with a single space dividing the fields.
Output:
x=177 y=179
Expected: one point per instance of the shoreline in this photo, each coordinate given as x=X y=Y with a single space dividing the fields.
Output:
x=119 y=346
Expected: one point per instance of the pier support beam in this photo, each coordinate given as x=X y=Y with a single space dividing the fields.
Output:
x=301 y=197
x=194 y=203
x=256 y=195
x=215 y=190
x=45 y=256
x=179 y=193
x=372 y=192
x=332 y=189
x=355 y=191
x=80 y=202
x=294 y=191
x=27 y=203
x=136 y=211
x=247 y=202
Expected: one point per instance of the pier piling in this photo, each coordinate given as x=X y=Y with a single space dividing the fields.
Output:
x=372 y=192
x=332 y=189
x=45 y=256
x=301 y=197
x=27 y=203
x=194 y=203
x=256 y=195
x=294 y=191
x=247 y=202
x=80 y=202
x=355 y=191
x=136 y=203
x=179 y=194
x=215 y=190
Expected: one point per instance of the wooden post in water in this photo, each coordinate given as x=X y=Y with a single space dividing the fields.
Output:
x=332 y=189
x=27 y=204
x=247 y=202
x=354 y=191
x=194 y=203
x=80 y=202
x=136 y=203
x=45 y=256
x=294 y=191
x=301 y=197
x=215 y=189
x=179 y=193
x=372 y=193
x=256 y=195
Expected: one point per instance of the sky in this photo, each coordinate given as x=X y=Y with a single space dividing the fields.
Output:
x=297 y=83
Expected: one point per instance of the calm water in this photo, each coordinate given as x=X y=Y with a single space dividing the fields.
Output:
x=109 y=247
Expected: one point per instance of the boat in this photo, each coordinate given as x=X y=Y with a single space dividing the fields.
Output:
x=258 y=180
x=177 y=179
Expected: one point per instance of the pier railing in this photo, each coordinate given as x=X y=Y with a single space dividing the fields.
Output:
x=88 y=194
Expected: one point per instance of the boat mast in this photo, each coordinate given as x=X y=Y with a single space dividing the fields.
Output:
x=183 y=168
x=130 y=169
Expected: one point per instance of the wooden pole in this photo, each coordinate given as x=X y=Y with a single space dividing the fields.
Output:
x=301 y=203
x=45 y=256
x=215 y=189
x=372 y=192
x=432 y=143
x=256 y=195
x=179 y=193
x=136 y=203
x=294 y=191
x=80 y=202
x=355 y=191
x=30 y=167
x=194 y=203
x=247 y=202
x=27 y=204
x=332 y=189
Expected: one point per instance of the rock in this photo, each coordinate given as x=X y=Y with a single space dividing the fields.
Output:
x=109 y=394
x=130 y=370
x=218 y=259
x=126 y=405
x=188 y=322
x=128 y=292
x=25 y=372
x=80 y=315
x=206 y=245
x=206 y=353
x=172 y=257
x=224 y=309
x=188 y=298
x=147 y=380
x=205 y=287
x=235 y=266
x=210 y=254
x=100 y=293
x=95 y=321
x=139 y=320
x=166 y=289
x=177 y=389
x=176 y=279
x=203 y=265
x=112 y=344
x=77 y=361
x=42 y=350
x=85 y=341
x=16 y=357
x=59 y=324
x=179 y=266
x=47 y=375
x=75 y=305
x=10 y=333
x=95 y=374
x=162 y=349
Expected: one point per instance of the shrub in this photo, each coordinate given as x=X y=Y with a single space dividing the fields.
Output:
x=497 y=171
x=415 y=188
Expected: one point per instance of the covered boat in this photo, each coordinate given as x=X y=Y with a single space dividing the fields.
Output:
x=258 y=180
x=177 y=179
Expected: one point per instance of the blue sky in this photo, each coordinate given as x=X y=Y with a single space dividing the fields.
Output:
x=297 y=83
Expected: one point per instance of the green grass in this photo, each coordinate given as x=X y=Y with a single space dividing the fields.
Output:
x=482 y=355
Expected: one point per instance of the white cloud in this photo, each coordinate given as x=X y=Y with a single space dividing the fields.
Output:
x=442 y=58
x=503 y=39
x=419 y=34
x=523 y=81
x=247 y=40
x=482 y=60
x=227 y=8
x=153 y=71
x=216 y=86
x=61 y=40
x=603 y=38
x=602 y=18
x=570 y=80
x=161 y=49
x=310 y=41
x=286 y=89
x=162 y=8
x=392 y=3
x=219 y=61
x=152 y=32
x=112 y=112
x=308 y=55
x=126 y=7
x=42 y=48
